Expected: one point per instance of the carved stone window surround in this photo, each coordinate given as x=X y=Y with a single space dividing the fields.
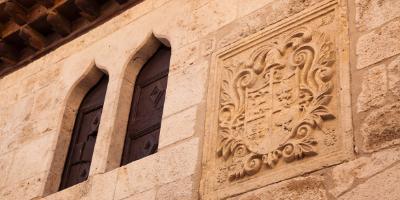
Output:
x=112 y=129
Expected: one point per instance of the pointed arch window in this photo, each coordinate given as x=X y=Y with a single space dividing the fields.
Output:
x=147 y=107
x=84 y=135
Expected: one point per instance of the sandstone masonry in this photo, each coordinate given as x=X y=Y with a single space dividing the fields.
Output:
x=311 y=112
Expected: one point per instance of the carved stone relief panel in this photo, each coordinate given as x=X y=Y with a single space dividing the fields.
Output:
x=279 y=104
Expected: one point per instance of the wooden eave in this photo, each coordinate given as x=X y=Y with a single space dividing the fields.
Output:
x=32 y=28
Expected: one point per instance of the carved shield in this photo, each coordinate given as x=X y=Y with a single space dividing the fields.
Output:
x=271 y=106
x=278 y=104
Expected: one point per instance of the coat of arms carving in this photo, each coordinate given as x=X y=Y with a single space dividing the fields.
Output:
x=278 y=104
x=271 y=106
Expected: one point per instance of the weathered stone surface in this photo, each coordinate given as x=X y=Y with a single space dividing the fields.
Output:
x=181 y=20
x=16 y=124
x=373 y=13
x=31 y=159
x=27 y=189
x=78 y=191
x=158 y=3
x=98 y=187
x=247 y=6
x=166 y=166
x=172 y=132
x=267 y=15
x=381 y=128
x=5 y=165
x=184 y=57
x=178 y=162
x=379 y=44
x=186 y=89
x=304 y=188
x=147 y=195
x=213 y=15
x=137 y=177
x=102 y=186
x=373 y=89
x=394 y=77
x=382 y=186
x=184 y=189
x=345 y=175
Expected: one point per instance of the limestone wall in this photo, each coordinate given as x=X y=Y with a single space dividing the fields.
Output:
x=359 y=159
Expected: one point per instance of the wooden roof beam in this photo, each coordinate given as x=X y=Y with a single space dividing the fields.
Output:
x=46 y=3
x=60 y=24
x=8 y=53
x=16 y=12
x=32 y=37
x=90 y=9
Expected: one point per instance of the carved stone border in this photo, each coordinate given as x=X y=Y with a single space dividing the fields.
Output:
x=211 y=143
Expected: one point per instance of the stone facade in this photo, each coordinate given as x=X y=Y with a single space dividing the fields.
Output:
x=330 y=68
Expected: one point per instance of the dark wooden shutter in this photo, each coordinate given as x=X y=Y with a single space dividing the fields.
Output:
x=147 y=107
x=84 y=135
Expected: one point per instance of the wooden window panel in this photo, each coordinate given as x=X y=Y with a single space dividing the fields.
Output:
x=147 y=107
x=84 y=135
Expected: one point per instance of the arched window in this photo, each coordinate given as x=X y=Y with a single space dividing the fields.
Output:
x=147 y=107
x=84 y=135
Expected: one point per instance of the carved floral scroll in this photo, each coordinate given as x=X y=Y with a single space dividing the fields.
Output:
x=278 y=103
x=272 y=104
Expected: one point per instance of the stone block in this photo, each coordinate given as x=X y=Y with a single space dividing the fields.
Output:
x=31 y=159
x=379 y=44
x=373 y=89
x=248 y=6
x=303 y=188
x=102 y=186
x=137 y=177
x=147 y=195
x=178 y=161
x=384 y=185
x=213 y=15
x=176 y=26
x=268 y=14
x=184 y=189
x=98 y=187
x=78 y=191
x=21 y=111
x=158 y=3
x=381 y=128
x=46 y=77
x=178 y=126
x=5 y=165
x=186 y=89
x=161 y=168
x=345 y=176
x=371 y=14
x=184 y=57
x=394 y=77
x=6 y=140
x=30 y=188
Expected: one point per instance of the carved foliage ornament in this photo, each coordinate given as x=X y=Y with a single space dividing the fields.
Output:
x=271 y=106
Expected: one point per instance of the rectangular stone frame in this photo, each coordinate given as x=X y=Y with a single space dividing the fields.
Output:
x=338 y=9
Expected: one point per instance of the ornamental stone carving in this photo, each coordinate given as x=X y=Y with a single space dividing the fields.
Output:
x=278 y=104
x=272 y=106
